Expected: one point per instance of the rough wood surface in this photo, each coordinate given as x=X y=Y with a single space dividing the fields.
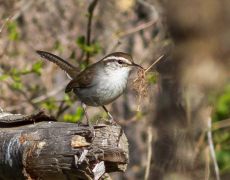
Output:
x=58 y=150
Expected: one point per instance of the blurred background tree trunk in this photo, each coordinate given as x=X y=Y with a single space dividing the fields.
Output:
x=196 y=68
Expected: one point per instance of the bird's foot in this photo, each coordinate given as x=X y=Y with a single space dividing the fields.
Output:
x=111 y=120
x=92 y=130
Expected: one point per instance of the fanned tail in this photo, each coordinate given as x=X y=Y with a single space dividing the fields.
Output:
x=70 y=70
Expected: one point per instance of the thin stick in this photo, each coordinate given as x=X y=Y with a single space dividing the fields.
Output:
x=37 y=99
x=136 y=29
x=212 y=149
x=207 y=164
x=4 y=23
x=158 y=59
x=149 y=155
x=25 y=5
x=221 y=124
x=88 y=37
x=146 y=70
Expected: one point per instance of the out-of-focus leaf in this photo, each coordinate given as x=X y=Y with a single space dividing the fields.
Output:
x=73 y=55
x=222 y=137
x=13 y=32
x=139 y=115
x=94 y=48
x=17 y=85
x=151 y=77
x=80 y=41
x=83 y=65
x=36 y=68
x=77 y=116
x=223 y=158
x=67 y=100
x=4 y=77
x=222 y=106
x=58 y=46
x=49 y=104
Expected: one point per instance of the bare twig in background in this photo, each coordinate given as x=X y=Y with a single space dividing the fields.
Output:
x=49 y=94
x=25 y=5
x=37 y=99
x=61 y=109
x=199 y=144
x=24 y=94
x=149 y=155
x=4 y=24
x=221 y=124
x=136 y=29
x=212 y=149
x=114 y=47
x=207 y=164
x=127 y=122
x=88 y=36
x=147 y=4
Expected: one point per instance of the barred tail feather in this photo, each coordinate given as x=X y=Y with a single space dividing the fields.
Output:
x=70 y=70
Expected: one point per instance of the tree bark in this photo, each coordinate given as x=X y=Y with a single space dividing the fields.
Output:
x=59 y=150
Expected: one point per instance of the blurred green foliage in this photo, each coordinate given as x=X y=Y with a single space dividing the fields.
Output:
x=152 y=77
x=223 y=158
x=222 y=110
x=13 y=32
x=93 y=49
x=222 y=136
x=68 y=100
x=58 y=46
x=50 y=104
x=16 y=75
x=76 y=117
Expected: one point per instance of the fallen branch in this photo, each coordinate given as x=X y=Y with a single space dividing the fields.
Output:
x=58 y=150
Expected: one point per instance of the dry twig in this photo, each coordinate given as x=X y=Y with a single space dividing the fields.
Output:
x=136 y=29
x=88 y=36
x=149 y=155
x=207 y=162
x=221 y=124
x=212 y=149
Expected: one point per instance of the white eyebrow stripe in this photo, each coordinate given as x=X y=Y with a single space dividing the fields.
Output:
x=117 y=58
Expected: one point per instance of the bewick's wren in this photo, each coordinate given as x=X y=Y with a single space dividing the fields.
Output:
x=100 y=83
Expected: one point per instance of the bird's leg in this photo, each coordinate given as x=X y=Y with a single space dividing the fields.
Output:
x=111 y=120
x=86 y=115
x=88 y=121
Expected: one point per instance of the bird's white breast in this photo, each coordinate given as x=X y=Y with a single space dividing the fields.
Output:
x=112 y=84
x=108 y=85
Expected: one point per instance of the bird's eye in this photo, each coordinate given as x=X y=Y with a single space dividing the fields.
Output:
x=120 y=62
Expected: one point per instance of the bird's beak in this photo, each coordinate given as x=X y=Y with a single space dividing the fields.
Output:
x=137 y=65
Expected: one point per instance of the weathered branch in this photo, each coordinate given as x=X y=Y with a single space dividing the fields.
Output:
x=58 y=150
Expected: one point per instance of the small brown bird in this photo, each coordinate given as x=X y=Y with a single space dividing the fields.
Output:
x=100 y=83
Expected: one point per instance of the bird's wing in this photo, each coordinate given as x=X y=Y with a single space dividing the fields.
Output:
x=83 y=80
x=70 y=70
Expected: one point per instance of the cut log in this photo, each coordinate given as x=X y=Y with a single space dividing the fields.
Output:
x=59 y=150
